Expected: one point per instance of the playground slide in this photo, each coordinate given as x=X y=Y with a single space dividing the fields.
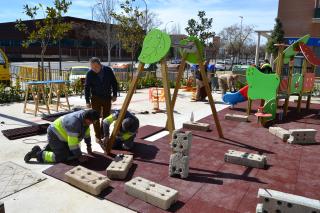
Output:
x=237 y=97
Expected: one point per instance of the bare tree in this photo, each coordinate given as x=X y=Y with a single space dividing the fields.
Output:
x=105 y=32
x=153 y=20
x=234 y=38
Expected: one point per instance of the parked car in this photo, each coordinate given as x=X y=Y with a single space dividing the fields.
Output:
x=220 y=65
x=78 y=72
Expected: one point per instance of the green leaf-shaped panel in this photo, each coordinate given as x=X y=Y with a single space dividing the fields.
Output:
x=192 y=57
x=261 y=86
x=156 y=45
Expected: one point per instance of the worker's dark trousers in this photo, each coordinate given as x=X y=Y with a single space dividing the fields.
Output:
x=56 y=150
x=118 y=144
x=103 y=107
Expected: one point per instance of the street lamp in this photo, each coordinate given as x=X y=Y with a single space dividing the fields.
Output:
x=92 y=9
x=165 y=28
x=146 y=24
x=241 y=17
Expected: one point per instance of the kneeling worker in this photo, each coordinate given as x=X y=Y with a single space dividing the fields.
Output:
x=129 y=128
x=64 y=137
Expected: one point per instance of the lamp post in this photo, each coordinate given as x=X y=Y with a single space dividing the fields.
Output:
x=146 y=24
x=241 y=17
x=92 y=9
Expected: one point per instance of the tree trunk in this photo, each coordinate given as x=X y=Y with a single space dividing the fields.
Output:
x=109 y=55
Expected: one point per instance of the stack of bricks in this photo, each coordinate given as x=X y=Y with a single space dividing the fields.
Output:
x=150 y=192
x=196 y=126
x=280 y=132
x=302 y=136
x=120 y=167
x=295 y=136
x=245 y=159
x=179 y=160
x=275 y=201
x=87 y=180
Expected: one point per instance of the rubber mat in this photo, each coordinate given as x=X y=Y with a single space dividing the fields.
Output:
x=53 y=117
x=214 y=185
x=14 y=178
x=24 y=132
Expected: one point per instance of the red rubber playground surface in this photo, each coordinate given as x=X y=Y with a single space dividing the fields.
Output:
x=213 y=185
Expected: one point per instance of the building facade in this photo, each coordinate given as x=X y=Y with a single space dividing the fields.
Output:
x=83 y=41
x=299 y=18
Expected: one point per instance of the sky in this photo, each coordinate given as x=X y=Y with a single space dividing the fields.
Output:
x=257 y=13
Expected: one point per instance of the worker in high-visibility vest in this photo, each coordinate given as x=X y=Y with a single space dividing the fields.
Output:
x=266 y=67
x=129 y=128
x=64 y=137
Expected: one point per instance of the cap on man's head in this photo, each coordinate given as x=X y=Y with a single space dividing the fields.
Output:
x=91 y=115
x=127 y=124
x=95 y=60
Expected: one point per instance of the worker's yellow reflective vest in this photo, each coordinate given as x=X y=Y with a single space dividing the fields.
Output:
x=123 y=135
x=70 y=128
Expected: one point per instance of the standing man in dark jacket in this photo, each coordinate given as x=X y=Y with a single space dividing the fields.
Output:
x=101 y=89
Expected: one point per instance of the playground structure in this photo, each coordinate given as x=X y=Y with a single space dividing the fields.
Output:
x=288 y=80
x=296 y=81
x=155 y=48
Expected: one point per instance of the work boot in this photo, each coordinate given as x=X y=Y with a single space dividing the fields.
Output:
x=32 y=154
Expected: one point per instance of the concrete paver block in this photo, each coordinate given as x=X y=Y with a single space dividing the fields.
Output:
x=179 y=165
x=259 y=208
x=245 y=159
x=196 y=126
x=87 y=180
x=181 y=142
x=2 y=210
x=302 y=136
x=275 y=201
x=151 y=192
x=119 y=168
x=235 y=117
x=283 y=134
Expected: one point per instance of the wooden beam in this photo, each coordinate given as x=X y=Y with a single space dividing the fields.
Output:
x=167 y=95
x=178 y=84
x=210 y=98
x=124 y=108
x=286 y=103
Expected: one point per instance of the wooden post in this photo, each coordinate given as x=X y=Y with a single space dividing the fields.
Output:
x=279 y=68
x=308 y=102
x=124 y=108
x=26 y=98
x=167 y=95
x=178 y=84
x=304 y=69
x=249 y=106
x=210 y=98
x=286 y=103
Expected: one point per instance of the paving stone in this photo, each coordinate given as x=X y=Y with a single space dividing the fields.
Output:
x=283 y=134
x=245 y=159
x=181 y=142
x=119 y=167
x=302 y=136
x=2 y=210
x=259 y=208
x=235 y=117
x=151 y=192
x=179 y=165
x=196 y=126
x=87 y=180
x=276 y=201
